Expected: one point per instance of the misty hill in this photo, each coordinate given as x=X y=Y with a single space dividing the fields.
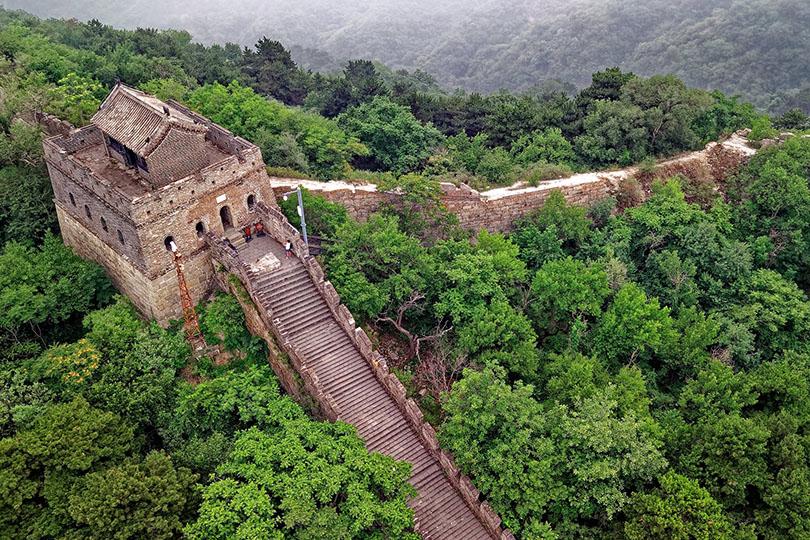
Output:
x=753 y=47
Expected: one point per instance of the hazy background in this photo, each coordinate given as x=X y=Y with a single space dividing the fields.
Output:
x=758 y=48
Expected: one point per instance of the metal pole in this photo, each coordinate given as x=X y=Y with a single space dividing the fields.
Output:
x=301 y=214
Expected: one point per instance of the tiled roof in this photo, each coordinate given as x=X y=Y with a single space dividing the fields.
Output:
x=139 y=121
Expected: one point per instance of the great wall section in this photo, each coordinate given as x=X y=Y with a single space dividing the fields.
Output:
x=289 y=302
x=319 y=354
x=318 y=351
x=496 y=210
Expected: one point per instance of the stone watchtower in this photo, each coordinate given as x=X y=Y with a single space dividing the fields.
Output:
x=145 y=173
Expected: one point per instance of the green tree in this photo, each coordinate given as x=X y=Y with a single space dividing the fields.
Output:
x=613 y=133
x=44 y=291
x=419 y=207
x=669 y=110
x=473 y=292
x=568 y=222
x=496 y=166
x=359 y=83
x=21 y=144
x=305 y=480
x=327 y=147
x=465 y=152
x=633 y=327
x=26 y=211
x=152 y=498
x=42 y=462
x=548 y=145
x=711 y=440
x=396 y=139
x=508 y=117
x=774 y=201
x=323 y=216
x=275 y=73
x=222 y=321
x=725 y=115
x=79 y=98
x=776 y=312
x=494 y=431
x=568 y=463
x=202 y=427
x=566 y=291
x=166 y=89
x=376 y=267
x=793 y=119
x=606 y=85
x=761 y=128
x=679 y=510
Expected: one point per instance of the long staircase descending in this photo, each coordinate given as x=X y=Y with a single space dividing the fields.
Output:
x=351 y=382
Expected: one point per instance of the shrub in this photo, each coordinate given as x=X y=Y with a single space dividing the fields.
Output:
x=543 y=171
x=630 y=193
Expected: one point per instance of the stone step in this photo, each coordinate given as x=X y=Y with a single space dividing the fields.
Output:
x=292 y=312
x=306 y=323
x=292 y=327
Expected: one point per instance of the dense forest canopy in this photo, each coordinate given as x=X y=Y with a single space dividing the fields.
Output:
x=636 y=369
x=755 y=48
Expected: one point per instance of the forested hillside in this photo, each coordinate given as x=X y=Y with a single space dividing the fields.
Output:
x=636 y=369
x=752 y=47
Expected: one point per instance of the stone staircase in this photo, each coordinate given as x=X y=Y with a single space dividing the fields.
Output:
x=305 y=323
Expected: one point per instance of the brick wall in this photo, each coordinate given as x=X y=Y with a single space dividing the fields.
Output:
x=498 y=209
x=76 y=199
x=178 y=216
x=157 y=298
x=52 y=125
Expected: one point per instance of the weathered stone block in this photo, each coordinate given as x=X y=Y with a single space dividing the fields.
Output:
x=429 y=436
x=363 y=342
x=468 y=491
x=396 y=389
x=489 y=516
x=413 y=413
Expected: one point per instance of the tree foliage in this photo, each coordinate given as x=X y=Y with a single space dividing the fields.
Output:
x=309 y=480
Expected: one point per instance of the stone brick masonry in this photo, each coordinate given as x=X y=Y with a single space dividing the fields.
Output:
x=498 y=209
x=111 y=214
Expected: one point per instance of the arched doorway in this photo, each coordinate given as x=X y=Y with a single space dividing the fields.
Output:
x=225 y=216
x=251 y=202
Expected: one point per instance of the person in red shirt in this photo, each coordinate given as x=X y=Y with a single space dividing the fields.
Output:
x=248 y=236
x=259 y=228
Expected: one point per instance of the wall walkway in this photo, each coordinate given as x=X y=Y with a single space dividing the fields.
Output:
x=349 y=380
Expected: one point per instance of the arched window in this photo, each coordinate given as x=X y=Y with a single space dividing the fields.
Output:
x=87 y=212
x=169 y=243
x=251 y=201
x=200 y=228
x=72 y=199
x=103 y=223
x=120 y=237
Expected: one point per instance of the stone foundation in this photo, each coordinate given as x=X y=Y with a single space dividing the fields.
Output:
x=157 y=298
